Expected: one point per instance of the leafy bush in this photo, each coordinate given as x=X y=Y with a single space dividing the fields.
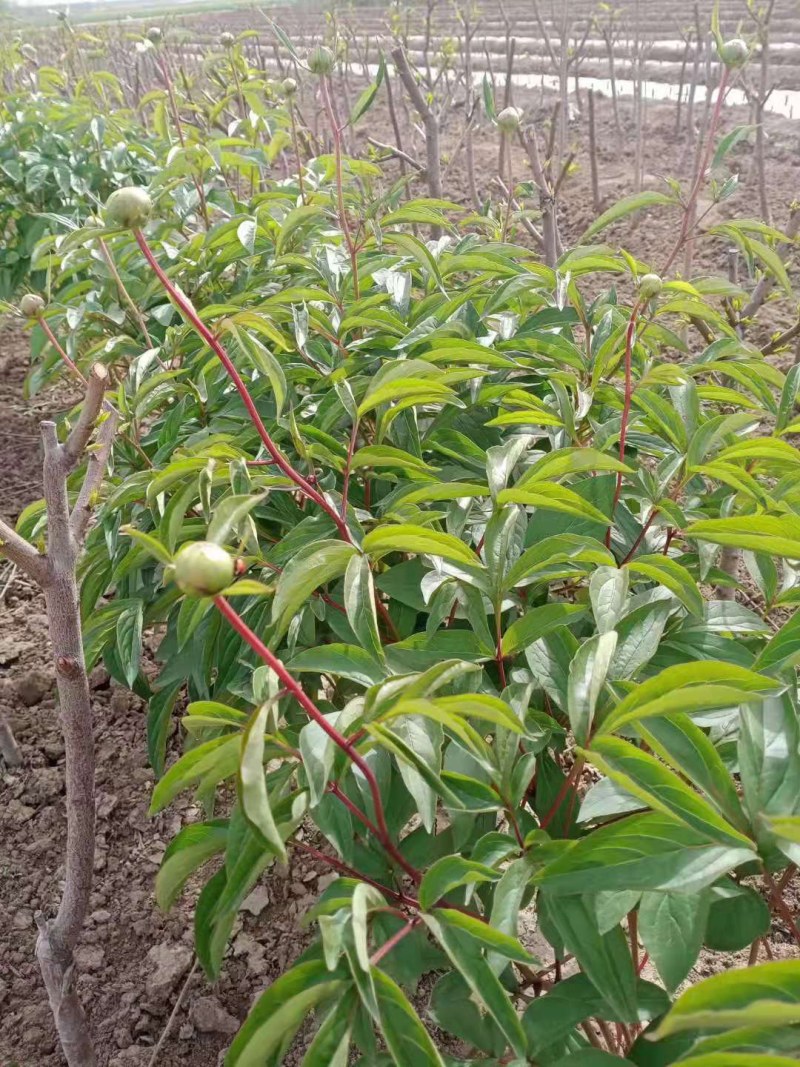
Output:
x=476 y=507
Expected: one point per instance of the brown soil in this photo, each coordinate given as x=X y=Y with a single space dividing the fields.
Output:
x=133 y=960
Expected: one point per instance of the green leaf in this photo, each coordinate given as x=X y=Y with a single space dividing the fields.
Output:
x=737 y=917
x=627 y=206
x=465 y=955
x=783 y=650
x=536 y=623
x=647 y=778
x=766 y=995
x=688 y=750
x=449 y=873
x=418 y=540
x=213 y=761
x=647 y=851
x=569 y=461
x=253 y=794
x=550 y=496
x=338 y=660
x=406 y=1038
x=257 y=353
x=154 y=547
x=587 y=676
x=604 y=958
x=278 y=1013
x=331 y=1042
x=159 y=720
x=359 y=602
x=506 y=946
x=685 y=686
x=608 y=592
x=672 y=576
x=129 y=640
x=187 y=851
x=672 y=927
x=772 y=534
x=552 y=1017
x=306 y=571
x=228 y=515
x=367 y=97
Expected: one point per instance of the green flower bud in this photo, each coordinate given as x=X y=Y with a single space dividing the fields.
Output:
x=129 y=207
x=31 y=304
x=227 y=40
x=155 y=35
x=202 y=568
x=734 y=53
x=321 y=60
x=509 y=119
x=650 y=285
x=289 y=86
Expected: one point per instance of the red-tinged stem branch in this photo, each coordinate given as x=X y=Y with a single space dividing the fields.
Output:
x=51 y=337
x=630 y=334
x=313 y=712
x=781 y=906
x=280 y=460
x=568 y=783
x=337 y=151
x=641 y=537
x=688 y=214
x=394 y=940
x=348 y=468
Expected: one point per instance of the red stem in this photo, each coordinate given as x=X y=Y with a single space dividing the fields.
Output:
x=626 y=412
x=347 y=469
x=51 y=337
x=337 y=150
x=199 y=326
x=698 y=181
x=313 y=712
x=641 y=536
x=395 y=939
x=571 y=778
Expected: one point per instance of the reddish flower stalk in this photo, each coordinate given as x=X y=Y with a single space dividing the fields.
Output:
x=337 y=151
x=626 y=410
x=688 y=213
x=51 y=337
x=313 y=712
x=213 y=343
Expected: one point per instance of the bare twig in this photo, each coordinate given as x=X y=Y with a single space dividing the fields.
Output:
x=429 y=121
x=173 y=1015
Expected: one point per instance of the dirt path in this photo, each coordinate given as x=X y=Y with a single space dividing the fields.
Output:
x=132 y=959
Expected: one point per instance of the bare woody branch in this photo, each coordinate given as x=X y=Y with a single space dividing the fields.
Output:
x=429 y=122
x=82 y=431
x=23 y=554
x=98 y=459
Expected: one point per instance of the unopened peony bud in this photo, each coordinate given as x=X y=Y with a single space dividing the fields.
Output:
x=734 y=53
x=289 y=86
x=509 y=119
x=202 y=568
x=31 y=304
x=154 y=35
x=227 y=40
x=321 y=60
x=650 y=285
x=129 y=207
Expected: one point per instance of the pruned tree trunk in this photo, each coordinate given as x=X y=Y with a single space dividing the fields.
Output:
x=55 y=573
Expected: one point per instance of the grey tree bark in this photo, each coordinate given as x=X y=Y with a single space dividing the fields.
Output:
x=55 y=572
